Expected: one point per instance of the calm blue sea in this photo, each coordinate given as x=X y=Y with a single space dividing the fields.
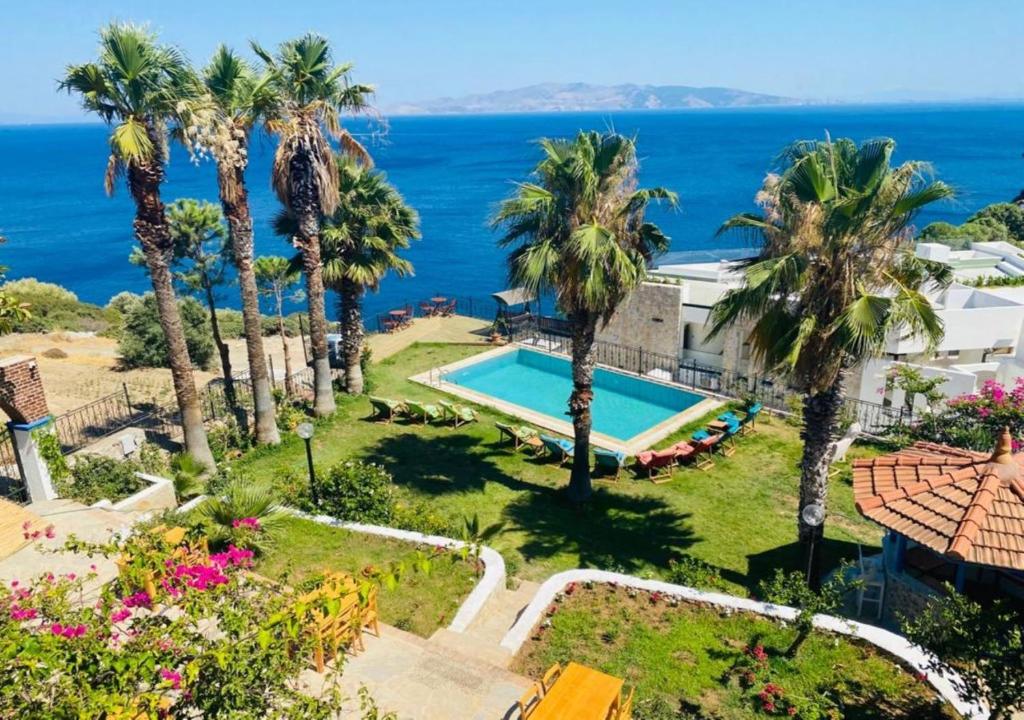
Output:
x=453 y=170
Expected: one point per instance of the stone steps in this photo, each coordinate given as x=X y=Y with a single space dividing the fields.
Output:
x=482 y=639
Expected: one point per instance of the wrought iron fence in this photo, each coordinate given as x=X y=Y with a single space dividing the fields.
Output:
x=95 y=420
x=772 y=392
x=12 y=487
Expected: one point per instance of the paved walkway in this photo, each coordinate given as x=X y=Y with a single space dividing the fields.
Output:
x=68 y=518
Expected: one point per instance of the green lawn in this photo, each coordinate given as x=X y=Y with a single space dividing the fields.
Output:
x=687 y=655
x=738 y=517
x=420 y=602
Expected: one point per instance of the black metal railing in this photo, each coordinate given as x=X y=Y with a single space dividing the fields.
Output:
x=95 y=420
x=771 y=391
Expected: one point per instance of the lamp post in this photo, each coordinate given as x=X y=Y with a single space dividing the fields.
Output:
x=812 y=515
x=305 y=431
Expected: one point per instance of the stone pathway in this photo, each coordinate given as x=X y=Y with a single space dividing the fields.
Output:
x=420 y=680
x=68 y=518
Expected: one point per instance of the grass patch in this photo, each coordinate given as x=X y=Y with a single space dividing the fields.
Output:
x=686 y=656
x=739 y=517
x=420 y=603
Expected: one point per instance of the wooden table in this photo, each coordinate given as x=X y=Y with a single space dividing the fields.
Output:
x=719 y=425
x=439 y=300
x=396 y=313
x=579 y=694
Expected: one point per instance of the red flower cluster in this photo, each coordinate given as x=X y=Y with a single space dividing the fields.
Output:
x=29 y=534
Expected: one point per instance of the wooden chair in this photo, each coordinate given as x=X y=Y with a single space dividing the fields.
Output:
x=550 y=677
x=625 y=711
x=529 y=701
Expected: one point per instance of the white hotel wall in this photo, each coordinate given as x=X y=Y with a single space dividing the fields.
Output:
x=977 y=328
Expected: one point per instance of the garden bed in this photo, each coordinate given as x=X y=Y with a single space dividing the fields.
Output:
x=720 y=664
x=420 y=602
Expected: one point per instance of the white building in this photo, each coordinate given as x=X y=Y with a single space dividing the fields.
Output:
x=983 y=325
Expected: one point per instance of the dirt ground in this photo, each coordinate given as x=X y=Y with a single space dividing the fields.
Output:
x=91 y=369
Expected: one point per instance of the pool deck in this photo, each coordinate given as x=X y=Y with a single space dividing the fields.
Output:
x=649 y=438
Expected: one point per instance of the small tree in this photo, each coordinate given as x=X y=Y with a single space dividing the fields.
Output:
x=984 y=646
x=276 y=279
x=792 y=589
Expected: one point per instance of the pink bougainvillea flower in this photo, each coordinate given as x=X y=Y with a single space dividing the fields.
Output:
x=171 y=676
x=50 y=532
x=120 y=615
x=248 y=523
x=139 y=599
x=20 y=614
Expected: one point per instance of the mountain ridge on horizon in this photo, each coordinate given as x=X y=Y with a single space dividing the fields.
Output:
x=581 y=97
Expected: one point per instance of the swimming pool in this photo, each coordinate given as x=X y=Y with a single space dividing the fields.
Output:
x=624 y=406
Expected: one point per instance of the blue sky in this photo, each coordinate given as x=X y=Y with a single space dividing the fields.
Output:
x=420 y=49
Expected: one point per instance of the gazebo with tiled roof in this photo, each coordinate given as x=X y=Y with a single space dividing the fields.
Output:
x=964 y=506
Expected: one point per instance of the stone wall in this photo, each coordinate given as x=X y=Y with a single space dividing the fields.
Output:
x=650 y=318
x=904 y=597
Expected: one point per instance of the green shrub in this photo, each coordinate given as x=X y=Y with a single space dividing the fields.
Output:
x=695 y=573
x=357 y=491
x=227 y=440
x=142 y=342
x=96 y=477
x=55 y=308
x=420 y=517
x=291 y=325
x=231 y=324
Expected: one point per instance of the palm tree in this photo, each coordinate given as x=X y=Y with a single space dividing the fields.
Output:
x=310 y=95
x=274 y=277
x=359 y=245
x=835 y=277
x=579 y=232
x=136 y=85
x=220 y=123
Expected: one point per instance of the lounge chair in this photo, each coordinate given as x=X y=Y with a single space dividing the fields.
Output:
x=559 y=448
x=422 y=411
x=609 y=461
x=703 y=449
x=750 y=419
x=385 y=410
x=657 y=464
x=459 y=414
x=517 y=434
x=727 y=445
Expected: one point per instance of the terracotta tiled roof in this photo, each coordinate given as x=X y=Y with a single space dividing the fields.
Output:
x=964 y=504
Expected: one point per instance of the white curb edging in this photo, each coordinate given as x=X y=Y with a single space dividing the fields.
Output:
x=893 y=644
x=494 y=565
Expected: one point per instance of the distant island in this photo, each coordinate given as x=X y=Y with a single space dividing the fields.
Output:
x=569 y=97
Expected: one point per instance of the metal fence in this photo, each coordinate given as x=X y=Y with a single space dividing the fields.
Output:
x=772 y=392
x=96 y=420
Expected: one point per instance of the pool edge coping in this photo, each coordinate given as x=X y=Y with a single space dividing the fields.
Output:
x=638 y=443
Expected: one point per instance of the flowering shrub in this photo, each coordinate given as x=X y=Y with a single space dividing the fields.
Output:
x=178 y=634
x=974 y=420
x=695 y=573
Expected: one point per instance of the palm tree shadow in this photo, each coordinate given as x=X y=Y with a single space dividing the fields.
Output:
x=790 y=558
x=614 y=531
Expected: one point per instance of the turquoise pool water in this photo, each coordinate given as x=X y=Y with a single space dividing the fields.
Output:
x=624 y=405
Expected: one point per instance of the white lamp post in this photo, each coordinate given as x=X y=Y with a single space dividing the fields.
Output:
x=812 y=515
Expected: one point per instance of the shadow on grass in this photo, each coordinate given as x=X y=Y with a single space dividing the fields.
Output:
x=615 y=531
x=790 y=557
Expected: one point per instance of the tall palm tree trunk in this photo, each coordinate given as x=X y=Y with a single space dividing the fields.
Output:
x=230 y=397
x=153 y=234
x=821 y=414
x=305 y=209
x=235 y=201
x=584 y=326
x=352 y=334
x=289 y=389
